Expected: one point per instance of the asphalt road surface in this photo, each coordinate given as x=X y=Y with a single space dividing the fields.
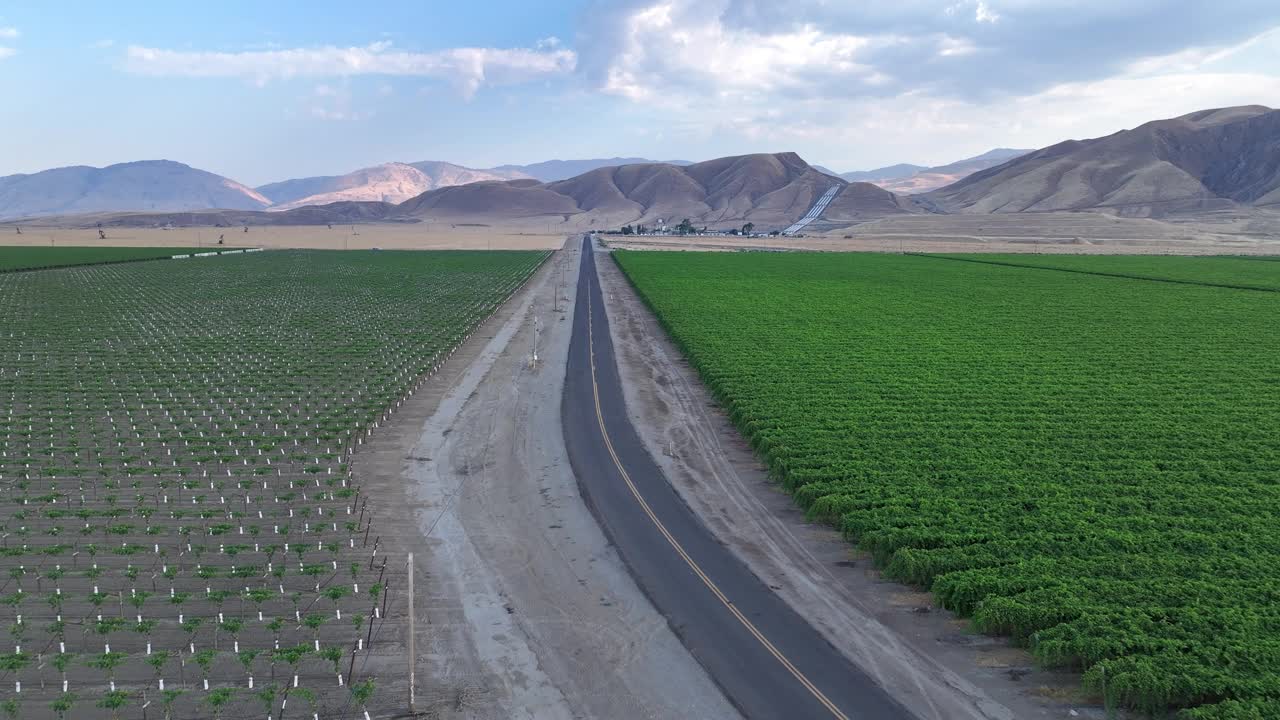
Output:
x=767 y=659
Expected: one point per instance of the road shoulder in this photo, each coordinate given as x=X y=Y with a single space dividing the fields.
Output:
x=525 y=611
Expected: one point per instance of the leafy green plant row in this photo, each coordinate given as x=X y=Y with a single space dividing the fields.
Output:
x=1090 y=465
x=34 y=258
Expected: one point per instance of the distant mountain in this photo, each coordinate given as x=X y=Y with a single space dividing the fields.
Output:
x=445 y=174
x=771 y=191
x=914 y=179
x=396 y=182
x=553 y=170
x=1202 y=161
x=150 y=186
x=884 y=174
x=389 y=182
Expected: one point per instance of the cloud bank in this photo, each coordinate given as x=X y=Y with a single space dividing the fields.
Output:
x=852 y=84
x=468 y=69
x=8 y=33
x=926 y=74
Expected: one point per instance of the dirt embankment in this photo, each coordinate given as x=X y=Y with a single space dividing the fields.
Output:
x=924 y=656
x=523 y=609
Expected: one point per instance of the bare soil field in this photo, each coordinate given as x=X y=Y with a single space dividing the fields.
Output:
x=1067 y=233
x=422 y=236
x=925 y=656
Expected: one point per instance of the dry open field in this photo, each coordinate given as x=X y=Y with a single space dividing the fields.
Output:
x=315 y=237
x=1071 y=233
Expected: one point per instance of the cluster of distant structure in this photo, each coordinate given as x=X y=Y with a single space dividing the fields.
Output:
x=686 y=227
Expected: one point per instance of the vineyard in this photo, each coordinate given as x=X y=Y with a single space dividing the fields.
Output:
x=35 y=258
x=1089 y=465
x=180 y=535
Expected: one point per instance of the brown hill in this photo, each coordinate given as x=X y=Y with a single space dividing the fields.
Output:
x=553 y=170
x=771 y=191
x=908 y=179
x=389 y=182
x=1203 y=161
x=490 y=201
x=152 y=185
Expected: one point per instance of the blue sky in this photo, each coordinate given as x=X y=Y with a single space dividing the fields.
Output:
x=266 y=91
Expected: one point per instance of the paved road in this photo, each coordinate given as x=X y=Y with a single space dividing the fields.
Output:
x=766 y=658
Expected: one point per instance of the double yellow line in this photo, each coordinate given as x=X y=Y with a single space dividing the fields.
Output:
x=675 y=544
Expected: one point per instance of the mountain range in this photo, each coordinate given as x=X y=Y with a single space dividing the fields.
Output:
x=914 y=179
x=152 y=185
x=1207 y=160
x=771 y=191
x=389 y=182
x=167 y=186
x=397 y=182
x=1203 y=161
x=553 y=170
x=768 y=190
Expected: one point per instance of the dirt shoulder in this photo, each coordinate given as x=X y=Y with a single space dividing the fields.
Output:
x=523 y=609
x=924 y=656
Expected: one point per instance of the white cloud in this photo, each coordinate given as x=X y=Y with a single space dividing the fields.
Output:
x=955 y=47
x=7 y=52
x=1197 y=58
x=931 y=130
x=340 y=114
x=847 y=101
x=983 y=13
x=338 y=102
x=468 y=68
x=8 y=33
x=780 y=50
x=680 y=44
x=102 y=44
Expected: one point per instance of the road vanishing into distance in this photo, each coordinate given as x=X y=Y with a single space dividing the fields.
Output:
x=766 y=658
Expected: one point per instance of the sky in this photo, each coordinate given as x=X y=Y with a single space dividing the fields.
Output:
x=261 y=92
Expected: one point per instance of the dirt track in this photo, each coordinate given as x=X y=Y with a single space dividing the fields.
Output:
x=924 y=656
x=524 y=610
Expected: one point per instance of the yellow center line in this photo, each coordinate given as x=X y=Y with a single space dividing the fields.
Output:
x=675 y=544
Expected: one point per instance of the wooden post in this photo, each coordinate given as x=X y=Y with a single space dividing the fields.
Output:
x=413 y=656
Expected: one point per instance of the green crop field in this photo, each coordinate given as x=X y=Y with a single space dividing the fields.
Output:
x=179 y=525
x=33 y=258
x=1226 y=271
x=1088 y=464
